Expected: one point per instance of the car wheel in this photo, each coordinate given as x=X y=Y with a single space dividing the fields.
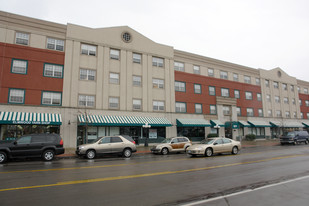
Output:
x=3 y=157
x=164 y=151
x=208 y=152
x=127 y=153
x=186 y=149
x=48 y=155
x=90 y=154
x=306 y=142
x=295 y=142
x=235 y=150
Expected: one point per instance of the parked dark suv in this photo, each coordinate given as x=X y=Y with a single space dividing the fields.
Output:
x=295 y=137
x=32 y=145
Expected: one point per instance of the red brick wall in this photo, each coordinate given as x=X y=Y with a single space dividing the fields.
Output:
x=33 y=82
x=303 y=108
x=204 y=98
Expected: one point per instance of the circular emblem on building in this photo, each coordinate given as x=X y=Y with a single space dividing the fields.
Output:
x=126 y=37
x=279 y=74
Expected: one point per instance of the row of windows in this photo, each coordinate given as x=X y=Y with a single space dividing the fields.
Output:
x=284 y=86
x=51 y=43
x=20 y=66
x=181 y=87
x=17 y=96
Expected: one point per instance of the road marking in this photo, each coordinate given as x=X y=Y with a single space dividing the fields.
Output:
x=116 y=165
x=147 y=174
x=244 y=192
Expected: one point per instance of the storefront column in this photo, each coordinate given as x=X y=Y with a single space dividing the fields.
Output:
x=267 y=132
x=171 y=131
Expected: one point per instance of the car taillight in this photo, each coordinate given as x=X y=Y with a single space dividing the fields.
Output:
x=133 y=142
x=61 y=142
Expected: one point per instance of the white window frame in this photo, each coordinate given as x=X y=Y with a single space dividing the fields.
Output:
x=197 y=90
x=87 y=74
x=250 y=112
x=158 y=106
x=22 y=38
x=114 y=78
x=88 y=49
x=260 y=112
x=179 y=66
x=278 y=113
x=238 y=111
x=51 y=98
x=286 y=100
x=53 y=70
x=113 y=102
x=277 y=99
x=225 y=92
x=211 y=72
x=224 y=75
x=212 y=109
x=157 y=62
x=196 y=69
x=137 y=58
x=266 y=83
x=198 y=108
x=284 y=86
x=180 y=107
x=19 y=66
x=287 y=114
x=114 y=54
x=88 y=100
x=158 y=83
x=305 y=90
x=16 y=96
x=226 y=110
x=307 y=103
x=276 y=85
x=249 y=95
x=137 y=104
x=235 y=77
x=55 y=44
x=270 y=113
x=259 y=96
x=137 y=81
x=247 y=79
x=236 y=94
x=180 y=86
x=257 y=81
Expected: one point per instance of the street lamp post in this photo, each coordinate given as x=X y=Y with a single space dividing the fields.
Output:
x=146 y=126
x=217 y=127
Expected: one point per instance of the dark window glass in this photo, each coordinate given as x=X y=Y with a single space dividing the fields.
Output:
x=116 y=139
x=105 y=140
x=38 y=139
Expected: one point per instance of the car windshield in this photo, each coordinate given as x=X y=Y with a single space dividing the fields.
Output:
x=168 y=140
x=291 y=134
x=207 y=141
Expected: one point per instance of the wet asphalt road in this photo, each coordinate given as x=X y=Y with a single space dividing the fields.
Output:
x=175 y=179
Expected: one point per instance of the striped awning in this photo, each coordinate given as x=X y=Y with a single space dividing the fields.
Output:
x=259 y=124
x=30 y=118
x=276 y=123
x=192 y=123
x=244 y=124
x=105 y=120
x=293 y=124
x=306 y=123
x=217 y=123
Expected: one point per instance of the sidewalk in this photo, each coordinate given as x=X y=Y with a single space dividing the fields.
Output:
x=70 y=152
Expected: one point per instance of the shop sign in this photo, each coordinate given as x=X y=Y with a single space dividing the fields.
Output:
x=30 y=122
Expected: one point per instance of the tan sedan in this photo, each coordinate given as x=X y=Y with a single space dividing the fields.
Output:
x=212 y=146
x=174 y=144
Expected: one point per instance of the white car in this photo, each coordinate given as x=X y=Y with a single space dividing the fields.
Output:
x=211 y=146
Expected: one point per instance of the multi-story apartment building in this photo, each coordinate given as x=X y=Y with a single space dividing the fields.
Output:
x=84 y=83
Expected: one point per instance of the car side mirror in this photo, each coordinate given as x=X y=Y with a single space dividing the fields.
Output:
x=172 y=142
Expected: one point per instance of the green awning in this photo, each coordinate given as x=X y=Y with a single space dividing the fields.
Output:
x=292 y=124
x=217 y=123
x=192 y=123
x=105 y=120
x=244 y=124
x=233 y=125
x=276 y=123
x=306 y=123
x=30 y=118
x=259 y=124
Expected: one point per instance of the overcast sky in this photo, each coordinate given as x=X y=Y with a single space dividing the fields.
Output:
x=256 y=33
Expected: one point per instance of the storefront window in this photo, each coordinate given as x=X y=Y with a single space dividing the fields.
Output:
x=11 y=132
x=193 y=133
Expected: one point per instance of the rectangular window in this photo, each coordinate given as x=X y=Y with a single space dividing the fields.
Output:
x=89 y=49
x=213 y=109
x=179 y=66
x=287 y=114
x=158 y=83
x=53 y=70
x=114 y=54
x=180 y=86
x=87 y=74
x=212 y=91
x=247 y=79
x=298 y=89
x=157 y=62
x=257 y=81
x=260 y=112
x=235 y=77
x=268 y=98
x=305 y=90
x=300 y=102
x=236 y=94
x=55 y=44
x=137 y=81
x=238 y=110
x=223 y=75
x=286 y=100
x=86 y=101
x=284 y=86
x=19 y=66
x=113 y=78
x=259 y=97
x=158 y=106
x=266 y=83
x=22 y=38
x=295 y=114
x=137 y=104
x=181 y=107
x=113 y=102
x=302 y=115
x=17 y=96
x=225 y=92
x=250 y=112
x=277 y=99
x=269 y=113
x=278 y=113
x=198 y=108
x=196 y=69
x=249 y=95
x=292 y=88
x=226 y=110
x=197 y=89
x=51 y=98
x=307 y=103
x=211 y=72
x=293 y=101
x=276 y=85
x=137 y=58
